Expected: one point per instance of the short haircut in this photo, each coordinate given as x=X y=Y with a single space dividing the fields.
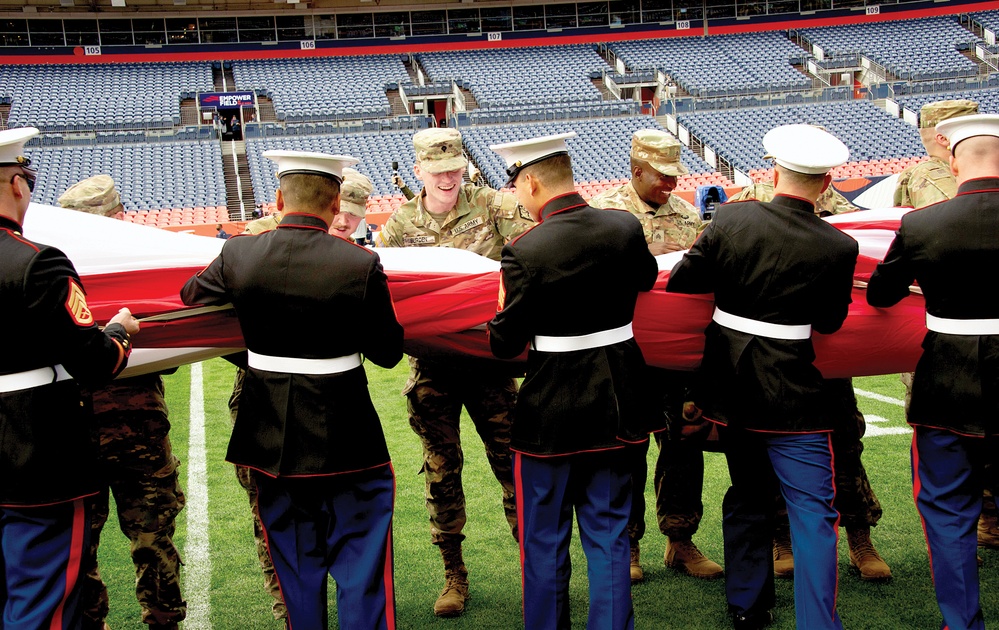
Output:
x=554 y=171
x=801 y=179
x=304 y=191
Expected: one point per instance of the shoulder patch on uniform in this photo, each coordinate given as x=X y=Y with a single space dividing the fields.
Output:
x=524 y=214
x=76 y=305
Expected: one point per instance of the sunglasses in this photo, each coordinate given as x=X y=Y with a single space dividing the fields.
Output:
x=28 y=179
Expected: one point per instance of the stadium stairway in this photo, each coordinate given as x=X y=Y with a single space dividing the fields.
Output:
x=238 y=188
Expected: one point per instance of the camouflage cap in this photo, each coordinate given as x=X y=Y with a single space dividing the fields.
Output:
x=659 y=149
x=354 y=192
x=96 y=195
x=932 y=114
x=439 y=150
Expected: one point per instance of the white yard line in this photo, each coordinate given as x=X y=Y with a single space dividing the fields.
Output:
x=873 y=422
x=879 y=397
x=198 y=558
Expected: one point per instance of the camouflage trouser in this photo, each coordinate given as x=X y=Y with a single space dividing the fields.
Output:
x=140 y=469
x=855 y=501
x=679 y=474
x=989 y=471
x=245 y=478
x=435 y=399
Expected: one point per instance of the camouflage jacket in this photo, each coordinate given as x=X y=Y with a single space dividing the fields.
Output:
x=482 y=221
x=676 y=221
x=925 y=184
x=829 y=202
x=265 y=224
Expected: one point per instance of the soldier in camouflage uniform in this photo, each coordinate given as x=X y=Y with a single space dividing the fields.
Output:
x=829 y=202
x=856 y=502
x=924 y=184
x=670 y=224
x=137 y=465
x=932 y=181
x=448 y=213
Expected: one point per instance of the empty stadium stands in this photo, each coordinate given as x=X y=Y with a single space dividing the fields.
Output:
x=323 y=88
x=68 y=98
x=870 y=132
x=724 y=65
x=912 y=50
x=148 y=175
x=521 y=76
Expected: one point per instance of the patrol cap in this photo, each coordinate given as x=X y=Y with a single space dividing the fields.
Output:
x=523 y=153
x=12 y=147
x=964 y=127
x=804 y=149
x=354 y=192
x=96 y=195
x=439 y=150
x=932 y=114
x=310 y=163
x=660 y=149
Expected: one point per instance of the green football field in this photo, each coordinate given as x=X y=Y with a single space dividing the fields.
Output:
x=223 y=586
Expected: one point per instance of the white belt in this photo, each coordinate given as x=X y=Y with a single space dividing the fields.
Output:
x=761 y=329
x=583 y=342
x=33 y=378
x=962 y=326
x=292 y=365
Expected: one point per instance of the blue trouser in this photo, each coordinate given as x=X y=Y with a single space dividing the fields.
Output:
x=801 y=464
x=598 y=487
x=339 y=525
x=43 y=550
x=947 y=482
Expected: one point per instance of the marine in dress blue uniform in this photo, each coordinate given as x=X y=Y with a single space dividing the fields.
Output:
x=47 y=454
x=778 y=272
x=955 y=390
x=569 y=287
x=305 y=424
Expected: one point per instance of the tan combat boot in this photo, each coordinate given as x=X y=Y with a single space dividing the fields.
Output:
x=865 y=557
x=685 y=556
x=783 y=556
x=451 y=602
x=988 y=530
x=637 y=574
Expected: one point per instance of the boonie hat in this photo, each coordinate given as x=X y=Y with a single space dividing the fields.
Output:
x=96 y=195
x=660 y=149
x=310 y=163
x=523 y=153
x=804 y=149
x=354 y=192
x=932 y=114
x=439 y=150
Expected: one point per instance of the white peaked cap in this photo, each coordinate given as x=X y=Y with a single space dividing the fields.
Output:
x=12 y=146
x=311 y=163
x=964 y=127
x=805 y=149
x=523 y=153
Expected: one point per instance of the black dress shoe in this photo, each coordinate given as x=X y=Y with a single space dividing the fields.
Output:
x=752 y=620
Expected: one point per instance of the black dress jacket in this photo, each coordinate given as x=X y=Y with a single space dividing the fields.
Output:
x=47 y=448
x=299 y=292
x=951 y=249
x=774 y=262
x=577 y=272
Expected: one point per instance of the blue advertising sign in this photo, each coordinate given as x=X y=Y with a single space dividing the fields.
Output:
x=226 y=100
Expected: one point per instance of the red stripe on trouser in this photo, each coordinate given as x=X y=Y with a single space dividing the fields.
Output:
x=518 y=483
x=389 y=564
x=74 y=561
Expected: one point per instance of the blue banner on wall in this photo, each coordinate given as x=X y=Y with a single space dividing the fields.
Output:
x=226 y=100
